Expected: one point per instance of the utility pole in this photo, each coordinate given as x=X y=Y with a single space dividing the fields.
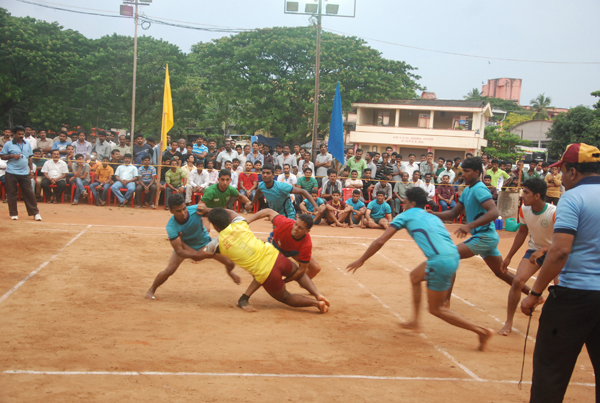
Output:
x=317 y=77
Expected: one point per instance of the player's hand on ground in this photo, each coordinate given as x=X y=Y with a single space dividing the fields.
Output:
x=462 y=231
x=352 y=267
x=528 y=303
x=505 y=264
x=236 y=279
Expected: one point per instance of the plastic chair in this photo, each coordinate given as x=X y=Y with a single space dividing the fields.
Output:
x=196 y=196
x=123 y=190
x=347 y=193
x=63 y=193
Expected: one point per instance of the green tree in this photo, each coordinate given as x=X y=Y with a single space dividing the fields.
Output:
x=505 y=105
x=473 y=95
x=266 y=79
x=579 y=125
x=540 y=105
x=513 y=119
x=501 y=144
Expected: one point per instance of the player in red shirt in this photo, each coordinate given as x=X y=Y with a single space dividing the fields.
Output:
x=292 y=239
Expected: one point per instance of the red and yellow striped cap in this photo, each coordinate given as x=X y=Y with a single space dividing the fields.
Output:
x=579 y=153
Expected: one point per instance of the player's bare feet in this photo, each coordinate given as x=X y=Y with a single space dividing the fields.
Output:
x=333 y=225
x=484 y=338
x=150 y=295
x=323 y=307
x=506 y=329
x=248 y=308
x=414 y=326
x=195 y=262
x=322 y=298
x=350 y=225
x=245 y=304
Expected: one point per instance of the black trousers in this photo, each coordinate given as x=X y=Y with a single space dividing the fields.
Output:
x=54 y=192
x=570 y=318
x=12 y=193
x=150 y=196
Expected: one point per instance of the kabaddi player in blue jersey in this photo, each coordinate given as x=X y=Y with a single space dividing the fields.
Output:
x=188 y=237
x=438 y=271
x=476 y=200
x=278 y=194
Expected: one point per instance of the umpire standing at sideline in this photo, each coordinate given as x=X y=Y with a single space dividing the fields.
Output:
x=571 y=315
x=18 y=153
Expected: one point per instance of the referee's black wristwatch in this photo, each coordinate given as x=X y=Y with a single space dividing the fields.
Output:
x=535 y=294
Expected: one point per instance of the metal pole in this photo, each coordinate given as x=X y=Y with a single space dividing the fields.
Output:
x=134 y=72
x=317 y=74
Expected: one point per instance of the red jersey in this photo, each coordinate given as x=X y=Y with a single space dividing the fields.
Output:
x=248 y=179
x=340 y=205
x=283 y=240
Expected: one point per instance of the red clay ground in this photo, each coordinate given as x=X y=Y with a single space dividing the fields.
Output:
x=80 y=329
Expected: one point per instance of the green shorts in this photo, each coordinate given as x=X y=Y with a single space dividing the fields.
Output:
x=484 y=244
x=440 y=272
x=377 y=219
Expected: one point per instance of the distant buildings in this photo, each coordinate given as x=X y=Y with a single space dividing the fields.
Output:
x=503 y=88
x=535 y=131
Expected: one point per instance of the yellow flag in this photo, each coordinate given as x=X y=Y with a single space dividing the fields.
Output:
x=167 y=116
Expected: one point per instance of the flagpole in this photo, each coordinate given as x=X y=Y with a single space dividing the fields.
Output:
x=159 y=170
x=317 y=77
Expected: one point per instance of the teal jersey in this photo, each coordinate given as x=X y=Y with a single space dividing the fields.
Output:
x=355 y=206
x=193 y=232
x=379 y=210
x=278 y=198
x=428 y=231
x=309 y=205
x=472 y=197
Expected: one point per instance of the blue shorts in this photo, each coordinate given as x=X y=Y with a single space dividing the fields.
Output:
x=539 y=261
x=440 y=272
x=484 y=244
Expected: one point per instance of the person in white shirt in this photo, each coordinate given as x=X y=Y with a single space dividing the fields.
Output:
x=287 y=176
x=287 y=158
x=416 y=180
x=305 y=162
x=234 y=175
x=30 y=137
x=228 y=154
x=353 y=182
x=197 y=181
x=213 y=174
x=537 y=219
x=447 y=171
x=411 y=166
x=55 y=172
x=127 y=176
x=429 y=187
x=323 y=162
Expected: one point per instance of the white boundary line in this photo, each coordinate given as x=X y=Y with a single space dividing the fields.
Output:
x=255 y=375
x=36 y=271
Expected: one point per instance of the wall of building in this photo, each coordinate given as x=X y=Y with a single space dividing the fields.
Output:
x=409 y=118
x=503 y=88
x=534 y=130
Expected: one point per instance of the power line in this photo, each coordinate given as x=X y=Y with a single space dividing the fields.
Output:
x=458 y=54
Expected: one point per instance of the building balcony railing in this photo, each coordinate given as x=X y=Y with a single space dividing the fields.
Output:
x=417 y=130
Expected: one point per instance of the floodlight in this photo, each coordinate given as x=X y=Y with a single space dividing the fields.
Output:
x=292 y=6
x=311 y=8
x=332 y=8
x=126 y=11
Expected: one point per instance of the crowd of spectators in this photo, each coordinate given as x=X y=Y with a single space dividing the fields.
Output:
x=369 y=188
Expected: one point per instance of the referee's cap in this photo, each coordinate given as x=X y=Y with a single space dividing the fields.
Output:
x=578 y=153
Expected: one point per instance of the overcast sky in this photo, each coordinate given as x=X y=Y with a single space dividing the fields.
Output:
x=549 y=30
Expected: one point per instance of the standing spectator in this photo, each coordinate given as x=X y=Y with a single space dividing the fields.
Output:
x=530 y=174
x=448 y=171
x=44 y=143
x=305 y=162
x=126 y=176
x=571 y=314
x=141 y=150
x=236 y=166
x=370 y=164
x=358 y=163
x=457 y=166
x=287 y=158
x=62 y=143
x=554 y=181
x=197 y=182
x=30 y=137
x=412 y=166
x=487 y=181
x=445 y=193
x=267 y=154
x=102 y=147
x=18 y=155
x=330 y=184
x=441 y=167
x=200 y=150
x=400 y=189
x=496 y=174
x=82 y=146
x=102 y=182
x=122 y=147
x=297 y=153
x=323 y=162
x=174 y=181
x=55 y=173
x=182 y=144
x=428 y=166
x=398 y=168
x=544 y=172
x=384 y=167
x=228 y=154
x=81 y=178
x=353 y=182
x=429 y=187
x=146 y=183
x=278 y=152
x=212 y=153
x=6 y=136
x=255 y=155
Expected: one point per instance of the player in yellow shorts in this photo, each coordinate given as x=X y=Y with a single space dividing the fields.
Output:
x=266 y=264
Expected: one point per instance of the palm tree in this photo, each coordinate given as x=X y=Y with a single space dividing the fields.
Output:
x=540 y=105
x=473 y=94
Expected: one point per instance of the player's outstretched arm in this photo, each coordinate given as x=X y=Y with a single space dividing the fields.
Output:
x=490 y=215
x=262 y=214
x=186 y=252
x=229 y=265
x=306 y=195
x=372 y=249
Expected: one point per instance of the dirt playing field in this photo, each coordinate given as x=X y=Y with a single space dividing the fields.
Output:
x=75 y=325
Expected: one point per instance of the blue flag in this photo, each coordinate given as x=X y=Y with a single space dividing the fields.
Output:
x=336 y=129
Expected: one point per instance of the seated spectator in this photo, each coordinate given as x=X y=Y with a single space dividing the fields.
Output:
x=358 y=209
x=93 y=161
x=308 y=181
x=554 y=181
x=122 y=147
x=278 y=171
x=55 y=173
x=146 y=183
x=416 y=179
x=197 y=182
x=236 y=166
x=234 y=175
x=213 y=174
x=61 y=144
x=429 y=187
x=445 y=193
x=337 y=211
x=487 y=181
x=258 y=169
x=287 y=176
x=379 y=213
x=354 y=182
x=102 y=181
x=386 y=186
x=344 y=174
x=308 y=208
x=248 y=181
x=38 y=162
x=189 y=165
x=330 y=184
x=126 y=176
x=174 y=181
x=368 y=185
x=400 y=189
x=70 y=160
x=115 y=159
x=80 y=179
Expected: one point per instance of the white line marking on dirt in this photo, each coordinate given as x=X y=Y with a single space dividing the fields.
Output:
x=397 y=315
x=36 y=271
